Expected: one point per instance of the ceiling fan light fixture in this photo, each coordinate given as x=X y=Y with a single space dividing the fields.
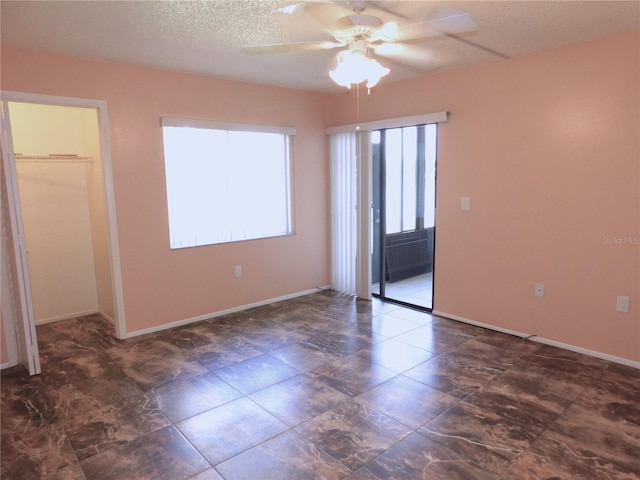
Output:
x=354 y=68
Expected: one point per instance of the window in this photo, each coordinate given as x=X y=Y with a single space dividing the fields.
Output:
x=226 y=182
x=410 y=171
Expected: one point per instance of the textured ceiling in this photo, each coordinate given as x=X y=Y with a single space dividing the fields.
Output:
x=206 y=37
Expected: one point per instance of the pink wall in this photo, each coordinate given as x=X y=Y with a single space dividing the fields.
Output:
x=163 y=285
x=548 y=147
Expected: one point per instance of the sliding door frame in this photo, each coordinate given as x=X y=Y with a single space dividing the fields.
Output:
x=364 y=238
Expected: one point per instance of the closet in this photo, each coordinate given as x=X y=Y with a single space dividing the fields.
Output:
x=60 y=181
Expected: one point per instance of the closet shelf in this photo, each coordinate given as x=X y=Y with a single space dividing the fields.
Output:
x=52 y=159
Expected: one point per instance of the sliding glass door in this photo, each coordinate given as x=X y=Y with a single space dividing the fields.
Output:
x=404 y=167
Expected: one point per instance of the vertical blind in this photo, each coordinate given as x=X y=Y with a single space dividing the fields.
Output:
x=343 y=211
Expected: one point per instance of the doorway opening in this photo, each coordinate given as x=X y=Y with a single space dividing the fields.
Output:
x=403 y=230
x=61 y=215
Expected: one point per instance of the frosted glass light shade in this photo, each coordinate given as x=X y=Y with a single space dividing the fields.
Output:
x=354 y=68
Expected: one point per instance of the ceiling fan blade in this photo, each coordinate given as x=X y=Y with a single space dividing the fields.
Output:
x=290 y=47
x=381 y=8
x=406 y=56
x=400 y=64
x=298 y=7
x=450 y=22
x=326 y=13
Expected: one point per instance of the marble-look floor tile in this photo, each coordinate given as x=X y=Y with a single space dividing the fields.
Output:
x=390 y=325
x=105 y=389
x=72 y=472
x=285 y=457
x=480 y=436
x=353 y=433
x=230 y=429
x=395 y=355
x=309 y=323
x=504 y=340
x=456 y=326
x=96 y=427
x=512 y=397
x=343 y=342
x=582 y=445
x=417 y=457
x=225 y=352
x=298 y=399
x=52 y=336
x=612 y=438
x=193 y=338
x=100 y=327
x=335 y=382
x=559 y=382
x=256 y=373
x=154 y=362
x=614 y=395
x=272 y=336
x=433 y=340
x=352 y=375
x=227 y=326
x=33 y=450
x=417 y=317
x=455 y=374
x=25 y=401
x=74 y=364
x=487 y=354
x=407 y=401
x=626 y=374
x=184 y=398
x=161 y=455
x=303 y=356
x=565 y=360
x=210 y=474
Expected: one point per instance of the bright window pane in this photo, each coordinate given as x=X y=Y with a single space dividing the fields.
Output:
x=393 y=174
x=409 y=186
x=225 y=186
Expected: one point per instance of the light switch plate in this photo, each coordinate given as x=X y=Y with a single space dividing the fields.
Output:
x=622 y=304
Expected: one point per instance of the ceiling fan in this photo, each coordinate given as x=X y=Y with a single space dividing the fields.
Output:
x=364 y=34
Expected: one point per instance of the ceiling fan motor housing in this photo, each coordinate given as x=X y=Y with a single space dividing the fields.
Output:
x=359 y=45
x=353 y=27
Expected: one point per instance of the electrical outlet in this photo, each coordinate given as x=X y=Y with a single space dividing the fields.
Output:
x=622 y=304
x=238 y=271
x=465 y=204
x=539 y=290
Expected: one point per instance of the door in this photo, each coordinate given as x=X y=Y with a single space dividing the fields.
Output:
x=20 y=295
x=18 y=292
x=403 y=227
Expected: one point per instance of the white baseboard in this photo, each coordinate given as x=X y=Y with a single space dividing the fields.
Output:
x=545 y=341
x=219 y=313
x=44 y=321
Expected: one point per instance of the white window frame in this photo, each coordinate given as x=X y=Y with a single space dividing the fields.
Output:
x=178 y=242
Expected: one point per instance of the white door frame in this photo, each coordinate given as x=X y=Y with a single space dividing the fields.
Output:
x=107 y=172
x=26 y=342
x=8 y=317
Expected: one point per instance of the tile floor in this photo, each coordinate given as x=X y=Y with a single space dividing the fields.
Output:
x=319 y=387
x=416 y=290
